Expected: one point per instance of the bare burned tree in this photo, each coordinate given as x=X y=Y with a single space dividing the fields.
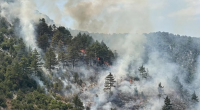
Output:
x=160 y=90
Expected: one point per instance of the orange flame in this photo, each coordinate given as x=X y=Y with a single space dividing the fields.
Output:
x=107 y=63
x=82 y=50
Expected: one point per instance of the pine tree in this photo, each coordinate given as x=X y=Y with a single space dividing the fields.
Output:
x=36 y=61
x=62 y=57
x=78 y=105
x=76 y=77
x=73 y=54
x=14 y=74
x=142 y=71
x=42 y=27
x=168 y=105
x=109 y=82
x=24 y=64
x=57 y=37
x=42 y=42
x=51 y=60
x=195 y=97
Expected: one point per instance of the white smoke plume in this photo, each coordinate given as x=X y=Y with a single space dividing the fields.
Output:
x=25 y=11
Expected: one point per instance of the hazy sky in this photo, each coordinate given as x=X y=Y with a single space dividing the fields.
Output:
x=119 y=16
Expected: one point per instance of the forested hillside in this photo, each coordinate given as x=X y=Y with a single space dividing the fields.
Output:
x=21 y=65
x=96 y=71
x=182 y=50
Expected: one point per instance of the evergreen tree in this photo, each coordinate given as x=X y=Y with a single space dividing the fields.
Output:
x=24 y=64
x=42 y=28
x=66 y=34
x=42 y=42
x=2 y=102
x=20 y=95
x=35 y=61
x=57 y=36
x=168 y=105
x=109 y=82
x=76 y=77
x=50 y=59
x=195 y=97
x=100 y=50
x=62 y=57
x=78 y=105
x=21 y=48
x=14 y=75
x=73 y=54
x=142 y=71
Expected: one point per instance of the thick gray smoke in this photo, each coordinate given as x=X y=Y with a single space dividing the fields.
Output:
x=161 y=69
x=123 y=16
x=105 y=16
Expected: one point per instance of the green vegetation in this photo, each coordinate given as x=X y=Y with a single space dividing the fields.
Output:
x=18 y=90
x=78 y=105
x=19 y=65
x=51 y=60
x=80 y=48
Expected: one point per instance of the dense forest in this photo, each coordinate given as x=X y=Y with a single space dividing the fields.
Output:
x=74 y=70
x=20 y=64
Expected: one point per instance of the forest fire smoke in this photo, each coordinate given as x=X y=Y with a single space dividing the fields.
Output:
x=101 y=15
x=134 y=50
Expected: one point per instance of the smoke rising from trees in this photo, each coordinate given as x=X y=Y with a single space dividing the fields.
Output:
x=98 y=16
